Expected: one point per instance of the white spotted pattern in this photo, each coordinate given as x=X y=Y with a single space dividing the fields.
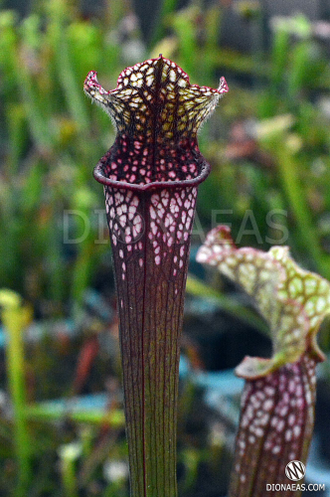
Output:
x=275 y=426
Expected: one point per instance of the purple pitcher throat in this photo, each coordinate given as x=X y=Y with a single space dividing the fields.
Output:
x=157 y=113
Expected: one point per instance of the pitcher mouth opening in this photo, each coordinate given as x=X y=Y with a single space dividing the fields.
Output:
x=101 y=176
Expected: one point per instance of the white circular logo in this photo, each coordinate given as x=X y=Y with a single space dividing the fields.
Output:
x=295 y=470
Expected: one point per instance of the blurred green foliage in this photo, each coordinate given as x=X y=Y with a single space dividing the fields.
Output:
x=268 y=144
x=51 y=139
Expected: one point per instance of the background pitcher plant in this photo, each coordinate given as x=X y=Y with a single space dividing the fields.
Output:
x=277 y=408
